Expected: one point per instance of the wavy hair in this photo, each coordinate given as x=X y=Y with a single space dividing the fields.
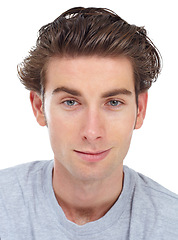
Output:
x=87 y=32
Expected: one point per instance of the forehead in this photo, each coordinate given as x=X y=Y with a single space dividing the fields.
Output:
x=90 y=73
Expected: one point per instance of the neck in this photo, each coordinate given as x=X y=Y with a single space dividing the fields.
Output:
x=86 y=201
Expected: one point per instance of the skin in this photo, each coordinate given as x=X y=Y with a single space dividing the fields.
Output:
x=90 y=110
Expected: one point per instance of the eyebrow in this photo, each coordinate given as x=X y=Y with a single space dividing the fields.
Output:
x=119 y=91
x=67 y=90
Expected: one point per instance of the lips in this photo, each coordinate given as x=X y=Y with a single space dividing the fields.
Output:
x=93 y=156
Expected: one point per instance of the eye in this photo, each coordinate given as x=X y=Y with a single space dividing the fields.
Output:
x=70 y=103
x=114 y=103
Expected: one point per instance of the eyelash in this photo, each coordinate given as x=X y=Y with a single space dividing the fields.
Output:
x=75 y=103
x=70 y=100
x=116 y=101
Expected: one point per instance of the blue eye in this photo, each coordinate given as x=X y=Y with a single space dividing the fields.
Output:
x=114 y=103
x=70 y=103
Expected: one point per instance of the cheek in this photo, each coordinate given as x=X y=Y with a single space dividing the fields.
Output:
x=60 y=130
x=122 y=127
x=121 y=138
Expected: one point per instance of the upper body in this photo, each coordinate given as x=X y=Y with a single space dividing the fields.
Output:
x=88 y=77
x=29 y=209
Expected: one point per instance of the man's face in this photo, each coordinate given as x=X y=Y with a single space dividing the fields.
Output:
x=91 y=112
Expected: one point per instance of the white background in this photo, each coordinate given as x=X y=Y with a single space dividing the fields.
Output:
x=153 y=150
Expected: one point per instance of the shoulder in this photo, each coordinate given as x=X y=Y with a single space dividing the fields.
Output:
x=21 y=187
x=15 y=178
x=151 y=188
x=153 y=201
x=155 y=190
x=8 y=174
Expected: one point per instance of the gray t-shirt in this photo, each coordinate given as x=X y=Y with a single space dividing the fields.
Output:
x=29 y=209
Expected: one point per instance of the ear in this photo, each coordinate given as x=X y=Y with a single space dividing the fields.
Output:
x=37 y=107
x=141 y=111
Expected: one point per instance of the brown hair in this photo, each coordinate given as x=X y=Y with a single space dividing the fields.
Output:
x=91 y=31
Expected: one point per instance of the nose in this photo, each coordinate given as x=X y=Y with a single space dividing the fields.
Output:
x=93 y=126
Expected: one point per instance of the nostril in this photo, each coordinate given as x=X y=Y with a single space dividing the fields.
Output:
x=91 y=138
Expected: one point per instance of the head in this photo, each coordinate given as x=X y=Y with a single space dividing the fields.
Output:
x=89 y=75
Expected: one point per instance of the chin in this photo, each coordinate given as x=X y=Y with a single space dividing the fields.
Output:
x=94 y=173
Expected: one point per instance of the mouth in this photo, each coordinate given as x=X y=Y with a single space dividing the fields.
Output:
x=93 y=156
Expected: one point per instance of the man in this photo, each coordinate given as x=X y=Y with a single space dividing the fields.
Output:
x=88 y=77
